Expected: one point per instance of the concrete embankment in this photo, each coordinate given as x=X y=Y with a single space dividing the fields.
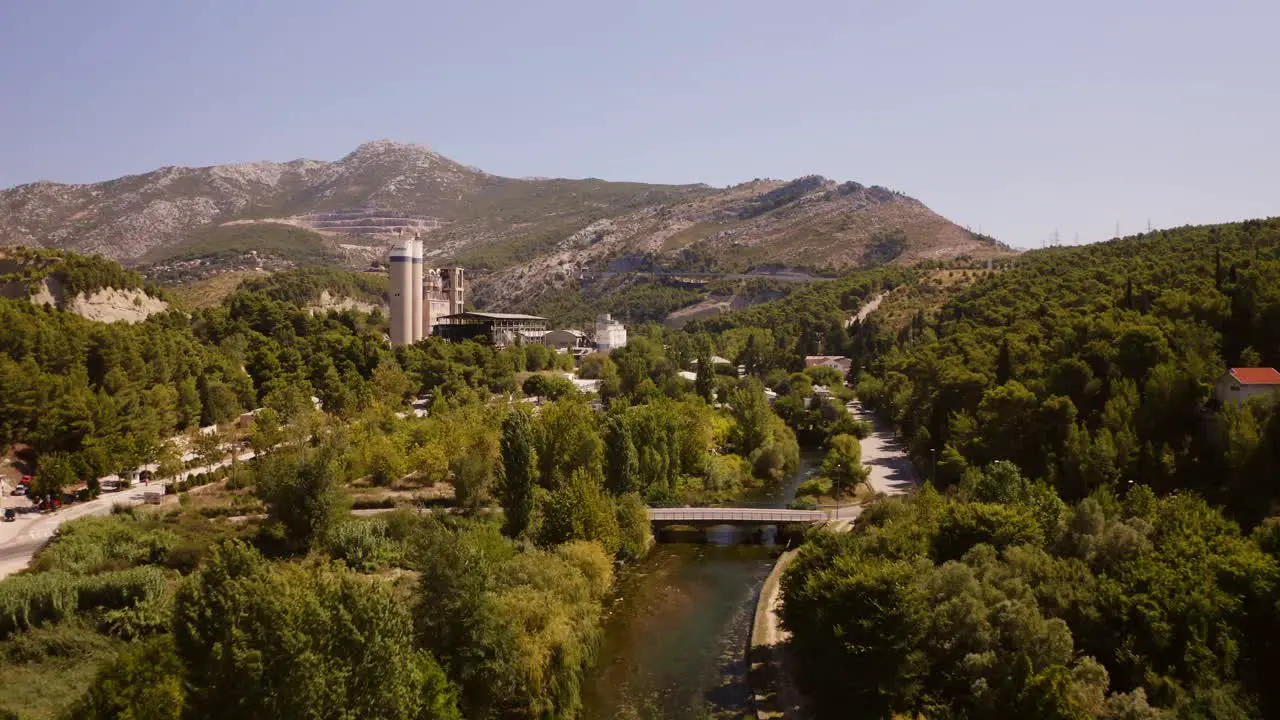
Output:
x=773 y=694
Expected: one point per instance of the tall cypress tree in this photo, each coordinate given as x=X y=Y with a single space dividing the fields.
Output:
x=704 y=383
x=519 y=474
x=621 y=460
x=1004 y=364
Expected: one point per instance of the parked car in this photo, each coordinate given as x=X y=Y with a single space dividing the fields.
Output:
x=20 y=490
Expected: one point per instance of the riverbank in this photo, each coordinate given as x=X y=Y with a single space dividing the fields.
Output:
x=773 y=694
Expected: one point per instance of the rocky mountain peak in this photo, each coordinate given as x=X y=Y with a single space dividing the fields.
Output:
x=548 y=227
x=377 y=150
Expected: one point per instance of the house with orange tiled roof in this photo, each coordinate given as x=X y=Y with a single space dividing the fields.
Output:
x=1239 y=384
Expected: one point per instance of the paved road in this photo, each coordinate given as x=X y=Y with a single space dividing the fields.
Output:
x=892 y=472
x=20 y=539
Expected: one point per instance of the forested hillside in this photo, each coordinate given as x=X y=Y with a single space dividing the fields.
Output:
x=1092 y=367
x=1087 y=559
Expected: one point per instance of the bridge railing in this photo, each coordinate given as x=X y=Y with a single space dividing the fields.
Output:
x=735 y=514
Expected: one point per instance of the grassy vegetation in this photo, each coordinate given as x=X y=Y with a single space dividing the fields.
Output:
x=294 y=243
x=631 y=299
x=692 y=234
x=211 y=291
x=46 y=669
x=303 y=286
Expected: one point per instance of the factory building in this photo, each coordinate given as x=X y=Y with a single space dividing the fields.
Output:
x=444 y=292
x=500 y=329
x=610 y=333
x=420 y=296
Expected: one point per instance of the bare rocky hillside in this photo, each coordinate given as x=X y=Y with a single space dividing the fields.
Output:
x=521 y=235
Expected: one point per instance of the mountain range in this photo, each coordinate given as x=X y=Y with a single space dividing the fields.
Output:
x=519 y=235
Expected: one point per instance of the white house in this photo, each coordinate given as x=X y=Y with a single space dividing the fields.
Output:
x=1239 y=384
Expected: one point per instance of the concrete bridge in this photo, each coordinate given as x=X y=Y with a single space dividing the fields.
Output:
x=710 y=516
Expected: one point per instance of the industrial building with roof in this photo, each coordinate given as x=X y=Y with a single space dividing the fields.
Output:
x=501 y=329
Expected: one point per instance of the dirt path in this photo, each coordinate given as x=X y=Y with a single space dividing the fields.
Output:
x=866 y=310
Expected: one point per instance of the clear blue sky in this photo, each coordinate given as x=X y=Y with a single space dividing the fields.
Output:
x=1012 y=116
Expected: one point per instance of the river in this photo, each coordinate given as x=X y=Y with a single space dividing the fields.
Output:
x=675 y=637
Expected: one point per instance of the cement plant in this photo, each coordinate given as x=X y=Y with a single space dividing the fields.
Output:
x=431 y=302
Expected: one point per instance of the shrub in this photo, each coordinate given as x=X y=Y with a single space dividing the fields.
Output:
x=728 y=474
x=149 y=617
x=814 y=486
x=144 y=681
x=633 y=527
x=30 y=600
x=362 y=544
x=551 y=387
x=71 y=640
x=99 y=543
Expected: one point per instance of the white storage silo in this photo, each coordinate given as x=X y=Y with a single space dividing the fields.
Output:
x=401 y=267
x=415 y=288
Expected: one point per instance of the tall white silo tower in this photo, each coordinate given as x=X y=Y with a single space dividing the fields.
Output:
x=415 y=282
x=401 y=264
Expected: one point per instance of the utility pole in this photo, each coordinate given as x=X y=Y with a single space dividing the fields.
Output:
x=1117 y=228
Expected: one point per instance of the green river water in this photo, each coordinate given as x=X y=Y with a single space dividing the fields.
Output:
x=676 y=632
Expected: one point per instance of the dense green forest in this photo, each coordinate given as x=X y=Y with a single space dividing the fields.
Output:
x=1004 y=601
x=1087 y=558
x=809 y=321
x=304 y=286
x=1093 y=367
x=232 y=241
